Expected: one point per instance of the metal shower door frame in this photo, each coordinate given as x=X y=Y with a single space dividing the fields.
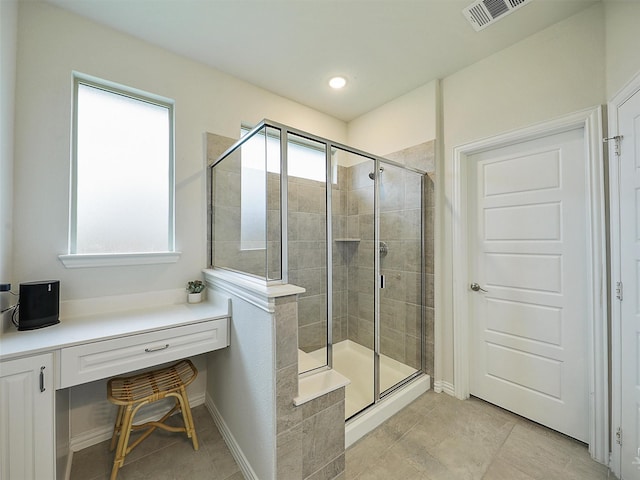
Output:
x=378 y=161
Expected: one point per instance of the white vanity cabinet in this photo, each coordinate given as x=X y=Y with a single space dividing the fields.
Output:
x=37 y=367
x=27 y=442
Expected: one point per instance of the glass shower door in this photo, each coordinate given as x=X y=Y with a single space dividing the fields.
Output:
x=376 y=276
x=353 y=277
x=400 y=214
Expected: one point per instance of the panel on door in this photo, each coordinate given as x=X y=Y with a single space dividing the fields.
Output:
x=527 y=241
x=629 y=201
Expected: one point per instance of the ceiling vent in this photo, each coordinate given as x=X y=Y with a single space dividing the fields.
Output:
x=483 y=13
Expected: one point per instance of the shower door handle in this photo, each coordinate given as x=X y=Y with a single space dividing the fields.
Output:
x=381 y=281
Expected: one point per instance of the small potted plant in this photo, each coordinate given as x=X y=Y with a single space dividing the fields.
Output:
x=195 y=288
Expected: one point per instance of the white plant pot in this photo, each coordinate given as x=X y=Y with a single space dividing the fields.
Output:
x=194 y=297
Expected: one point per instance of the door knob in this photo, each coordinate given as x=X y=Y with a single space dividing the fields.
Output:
x=477 y=288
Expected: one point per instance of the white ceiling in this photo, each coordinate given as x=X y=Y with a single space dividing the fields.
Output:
x=385 y=48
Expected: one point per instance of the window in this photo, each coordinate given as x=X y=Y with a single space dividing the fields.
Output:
x=306 y=158
x=263 y=149
x=122 y=172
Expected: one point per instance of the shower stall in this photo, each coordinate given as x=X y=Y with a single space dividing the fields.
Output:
x=290 y=207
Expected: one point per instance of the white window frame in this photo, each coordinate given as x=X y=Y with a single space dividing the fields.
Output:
x=75 y=260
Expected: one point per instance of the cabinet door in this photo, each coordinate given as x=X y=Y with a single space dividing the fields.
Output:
x=27 y=448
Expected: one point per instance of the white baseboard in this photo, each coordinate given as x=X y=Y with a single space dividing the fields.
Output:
x=102 y=433
x=236 y=451
x=440 y=386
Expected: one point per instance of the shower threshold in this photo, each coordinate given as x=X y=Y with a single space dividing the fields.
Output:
x=356 y=363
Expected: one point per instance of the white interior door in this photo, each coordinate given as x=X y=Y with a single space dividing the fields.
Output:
x=628 y=192
x=527 y=245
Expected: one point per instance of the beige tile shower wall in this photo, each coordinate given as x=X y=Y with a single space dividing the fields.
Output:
x=342 y=252
x=307 y=258
x=215 y=146
x=225 y=204
x=360 y=225
x=400 y=300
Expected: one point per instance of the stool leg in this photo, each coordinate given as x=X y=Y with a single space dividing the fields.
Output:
x=187 y=417
x=123 y=441
x=117 y=427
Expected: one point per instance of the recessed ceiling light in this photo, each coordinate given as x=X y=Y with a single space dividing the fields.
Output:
x=337 y=82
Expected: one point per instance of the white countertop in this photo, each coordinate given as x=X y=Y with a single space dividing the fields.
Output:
x=90 y=328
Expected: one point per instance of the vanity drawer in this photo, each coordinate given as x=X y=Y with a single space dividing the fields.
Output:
x=93 y=361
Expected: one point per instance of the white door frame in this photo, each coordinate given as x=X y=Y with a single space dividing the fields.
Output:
x=614 y=104
x=597 y=350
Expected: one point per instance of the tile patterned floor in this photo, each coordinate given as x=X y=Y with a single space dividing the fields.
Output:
x=435 y=438
x=440 y=438
x=164 y=456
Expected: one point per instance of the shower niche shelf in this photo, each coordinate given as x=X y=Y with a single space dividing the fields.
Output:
x=347 y=239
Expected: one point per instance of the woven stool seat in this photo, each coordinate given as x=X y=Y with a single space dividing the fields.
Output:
x=131 y=393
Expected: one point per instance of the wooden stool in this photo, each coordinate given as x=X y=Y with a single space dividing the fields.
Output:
x=131 y=393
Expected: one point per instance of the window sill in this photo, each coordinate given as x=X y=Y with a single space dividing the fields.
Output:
x=117 y=259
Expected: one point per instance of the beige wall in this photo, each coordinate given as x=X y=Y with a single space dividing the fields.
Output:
x=51 y=44
x=554 y=72
x=622 y=19
x=8 y=37
x=401 y=123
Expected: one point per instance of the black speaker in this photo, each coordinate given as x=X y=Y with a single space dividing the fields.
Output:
x=39 y=304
